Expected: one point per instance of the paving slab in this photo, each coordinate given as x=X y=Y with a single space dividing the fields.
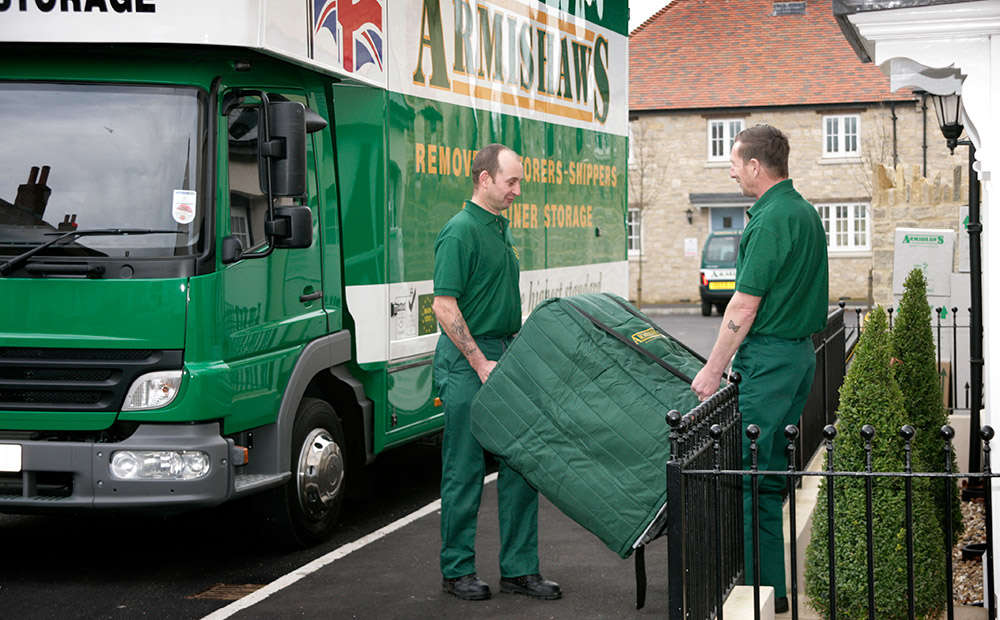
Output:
x=397 y=576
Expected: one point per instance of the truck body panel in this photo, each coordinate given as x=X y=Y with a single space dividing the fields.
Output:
x=141 y=239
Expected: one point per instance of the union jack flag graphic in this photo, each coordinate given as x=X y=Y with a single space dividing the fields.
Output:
x=356 y=25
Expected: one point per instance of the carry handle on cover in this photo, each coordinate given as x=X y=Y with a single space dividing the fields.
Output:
x=628 y=342
x=633 y=312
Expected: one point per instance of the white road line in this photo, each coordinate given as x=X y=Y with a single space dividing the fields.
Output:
x=307 y=569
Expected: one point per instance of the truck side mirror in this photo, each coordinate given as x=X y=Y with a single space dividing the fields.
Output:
x=283 y=152
x=291 y=227
x=232 y=249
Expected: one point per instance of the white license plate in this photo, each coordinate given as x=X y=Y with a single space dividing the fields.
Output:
x=10 y=457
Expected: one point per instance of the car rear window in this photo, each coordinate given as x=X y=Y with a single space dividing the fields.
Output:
x=722 y=249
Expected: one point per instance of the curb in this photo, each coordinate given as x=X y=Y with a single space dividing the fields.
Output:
x=662 y=310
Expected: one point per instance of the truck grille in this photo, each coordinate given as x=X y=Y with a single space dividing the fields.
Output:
x=39 y=379
x=36 y=484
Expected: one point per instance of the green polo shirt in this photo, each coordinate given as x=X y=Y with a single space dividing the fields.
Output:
x=782 y=259
x=476 y=262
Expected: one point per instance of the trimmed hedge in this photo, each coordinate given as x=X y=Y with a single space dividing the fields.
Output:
x=870 y=395
x=915 y=365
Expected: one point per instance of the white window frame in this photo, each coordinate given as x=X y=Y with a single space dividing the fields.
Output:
x=633 y=232
x=722 y=132
x=239 y=227
x=842 y=135
x=848 y=226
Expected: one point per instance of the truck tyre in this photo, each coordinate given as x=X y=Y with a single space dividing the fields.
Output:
x=308 y=505
x=706 y=308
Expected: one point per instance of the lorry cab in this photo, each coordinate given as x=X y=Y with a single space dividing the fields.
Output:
x=718 y=270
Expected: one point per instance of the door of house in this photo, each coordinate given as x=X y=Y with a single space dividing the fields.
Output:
x=727 y=218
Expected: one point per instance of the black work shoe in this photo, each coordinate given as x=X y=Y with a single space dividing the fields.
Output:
x=780 y=604
x=531 y=585
x=467 y=588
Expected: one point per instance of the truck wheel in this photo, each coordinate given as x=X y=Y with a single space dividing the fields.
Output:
x=706 y=308
x=310 y=502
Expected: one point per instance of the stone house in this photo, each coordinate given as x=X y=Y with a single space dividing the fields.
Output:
x=702 y=70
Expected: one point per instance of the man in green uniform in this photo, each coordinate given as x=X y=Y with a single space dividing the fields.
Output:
x=781 y=299
x=477 y=301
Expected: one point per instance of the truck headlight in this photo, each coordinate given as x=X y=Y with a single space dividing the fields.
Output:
x=159 y=465
x=152 y=390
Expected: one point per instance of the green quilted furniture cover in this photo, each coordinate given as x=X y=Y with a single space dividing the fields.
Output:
x=580 y=412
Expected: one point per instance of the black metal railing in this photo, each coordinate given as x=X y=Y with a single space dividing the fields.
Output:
x=707 y=567
x=705 y=556
x=821 y=406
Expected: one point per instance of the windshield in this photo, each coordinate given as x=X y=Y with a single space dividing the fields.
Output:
x=82 y=157
x=722 y=250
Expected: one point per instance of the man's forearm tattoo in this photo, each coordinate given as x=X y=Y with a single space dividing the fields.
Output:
x=463 y=340
x=733 y=326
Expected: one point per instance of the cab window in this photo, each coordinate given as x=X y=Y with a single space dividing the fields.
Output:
x=247 y=198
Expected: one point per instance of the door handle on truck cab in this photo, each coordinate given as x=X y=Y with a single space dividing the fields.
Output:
x=307 y=297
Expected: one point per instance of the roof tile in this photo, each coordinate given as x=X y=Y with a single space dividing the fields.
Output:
x=696 y=54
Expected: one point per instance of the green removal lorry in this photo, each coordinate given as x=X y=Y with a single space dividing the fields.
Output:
x=217 y=223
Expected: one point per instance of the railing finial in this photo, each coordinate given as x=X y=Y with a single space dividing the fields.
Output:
x=791 y=432
x=867 y=432
x=947 y=433
x=986 y=433
x=907 y=432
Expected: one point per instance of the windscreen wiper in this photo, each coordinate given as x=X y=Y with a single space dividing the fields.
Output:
x=20 y=259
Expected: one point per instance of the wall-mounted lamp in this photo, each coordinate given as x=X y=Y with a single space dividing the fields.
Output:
x=947 y=108
x=690 y=215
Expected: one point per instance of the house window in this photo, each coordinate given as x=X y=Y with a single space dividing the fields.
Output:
x=721 y=135
x=634 y=232
x=840 y=135
x=846 y=226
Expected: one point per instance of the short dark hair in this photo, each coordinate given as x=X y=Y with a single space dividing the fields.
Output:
x=488 y=159
x=767 y=145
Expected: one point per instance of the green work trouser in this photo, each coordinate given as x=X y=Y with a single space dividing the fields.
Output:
x=777 y=375
x=462 y=469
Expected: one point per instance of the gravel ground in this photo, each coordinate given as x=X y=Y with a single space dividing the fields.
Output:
x=968 y=575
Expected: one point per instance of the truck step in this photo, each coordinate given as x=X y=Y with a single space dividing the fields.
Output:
x=248 y=483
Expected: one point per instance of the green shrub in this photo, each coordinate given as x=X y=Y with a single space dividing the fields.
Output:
x=917 y=375
x=870 y=395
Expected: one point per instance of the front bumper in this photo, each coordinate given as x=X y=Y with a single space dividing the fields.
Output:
x=57 y=475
